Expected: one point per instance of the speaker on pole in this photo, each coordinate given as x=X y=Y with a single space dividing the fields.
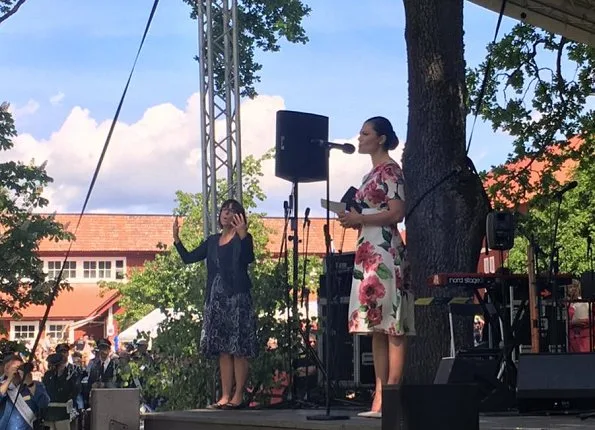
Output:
x=500 y=230
x=298 y=158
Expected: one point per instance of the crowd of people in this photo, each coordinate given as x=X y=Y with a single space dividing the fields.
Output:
x=53 y=391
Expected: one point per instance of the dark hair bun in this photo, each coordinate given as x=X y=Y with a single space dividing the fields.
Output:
x=383 y=127
x=392 y=141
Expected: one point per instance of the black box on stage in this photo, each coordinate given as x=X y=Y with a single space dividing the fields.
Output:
x=500 y=230
x=479 y=367
x=428 y=407
x=351 y=355
x=550 y=382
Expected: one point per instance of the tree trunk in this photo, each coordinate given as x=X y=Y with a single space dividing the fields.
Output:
x=445 y=227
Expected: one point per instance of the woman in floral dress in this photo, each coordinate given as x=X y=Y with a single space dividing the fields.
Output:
x=381 y=302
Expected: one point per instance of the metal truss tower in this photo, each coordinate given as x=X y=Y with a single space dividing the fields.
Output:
x=219 y=104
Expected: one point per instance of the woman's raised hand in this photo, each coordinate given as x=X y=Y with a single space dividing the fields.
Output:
x=176 y=230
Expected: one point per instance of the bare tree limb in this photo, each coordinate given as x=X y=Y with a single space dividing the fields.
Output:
x=12 y=11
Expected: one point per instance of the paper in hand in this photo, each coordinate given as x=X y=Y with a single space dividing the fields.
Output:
x=335 y=207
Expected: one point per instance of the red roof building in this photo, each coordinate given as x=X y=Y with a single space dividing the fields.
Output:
x=107 y=248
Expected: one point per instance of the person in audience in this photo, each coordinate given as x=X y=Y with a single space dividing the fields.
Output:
x=579 y=323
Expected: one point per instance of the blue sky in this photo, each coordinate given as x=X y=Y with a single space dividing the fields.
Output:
x=78 y=54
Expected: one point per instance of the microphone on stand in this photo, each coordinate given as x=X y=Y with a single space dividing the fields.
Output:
x=347 y=148
x=569 y=186
x=306 y=215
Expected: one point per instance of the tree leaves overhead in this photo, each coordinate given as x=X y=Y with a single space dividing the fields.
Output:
x=263 y=23
x=537 y=93
x=8 y=8
x=22 y=279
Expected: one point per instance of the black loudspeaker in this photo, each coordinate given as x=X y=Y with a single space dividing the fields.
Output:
x=500 y=230
x=427 y=407
x=553 y=382
x=481 y=369
x=298 y=155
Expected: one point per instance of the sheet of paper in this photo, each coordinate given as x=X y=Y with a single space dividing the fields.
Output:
x=335 y=207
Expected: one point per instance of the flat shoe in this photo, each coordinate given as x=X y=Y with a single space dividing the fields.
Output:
x=370 y=414
x=216 y=406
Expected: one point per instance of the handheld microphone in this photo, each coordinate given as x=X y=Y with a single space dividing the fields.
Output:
x=347 y=148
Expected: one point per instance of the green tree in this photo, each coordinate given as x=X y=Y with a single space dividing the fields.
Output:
x=537 y=92
x=446 y=210
x=262 y=24
x=181 y=375
x=577 y=222
x=21 y=228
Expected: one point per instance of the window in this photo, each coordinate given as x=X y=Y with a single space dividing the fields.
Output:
x=23 y=330
x=105 y=269
x=57 y=331
x=53 y=269
x=81 y=269
x=90 y=269
x=492 y=264
x=486 y=265
x=120 y=269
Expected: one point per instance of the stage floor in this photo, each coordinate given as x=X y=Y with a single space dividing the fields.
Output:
x=296 y=419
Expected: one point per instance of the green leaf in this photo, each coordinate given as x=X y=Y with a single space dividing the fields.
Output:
x=358 y=274
x=383 y=272
x=387 y=235
x=360 y=240
x=386 y=246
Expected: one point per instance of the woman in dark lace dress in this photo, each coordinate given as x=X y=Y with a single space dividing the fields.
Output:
x=229 y=325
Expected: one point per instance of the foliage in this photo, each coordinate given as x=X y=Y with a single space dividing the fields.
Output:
x=180 y=374
x=262 y=24
x=537 y=92
x=21 y=228
x=8 y=8
x=577 y=222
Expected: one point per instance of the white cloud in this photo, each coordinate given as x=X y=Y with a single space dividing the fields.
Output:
x=30 y=108
x=149 y=160
x=56 y=99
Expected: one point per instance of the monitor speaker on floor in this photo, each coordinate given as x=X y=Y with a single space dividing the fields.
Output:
x=426 y=407
x=551 y=382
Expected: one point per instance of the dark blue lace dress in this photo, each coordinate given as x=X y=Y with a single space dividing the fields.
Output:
x=229 y=323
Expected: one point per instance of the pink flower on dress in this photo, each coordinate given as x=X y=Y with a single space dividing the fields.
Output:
x=374 y=194
x=354 y=321
x=374 y=316
x=391 y=172
x=366 y=256
x=370 y=290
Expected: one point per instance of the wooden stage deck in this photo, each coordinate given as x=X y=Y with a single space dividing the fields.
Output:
x=286 y=419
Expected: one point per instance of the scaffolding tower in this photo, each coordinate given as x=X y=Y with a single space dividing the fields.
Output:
x=219 y=105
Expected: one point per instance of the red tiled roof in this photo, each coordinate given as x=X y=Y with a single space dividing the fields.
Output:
x=110 y=232
x=142 y=233
x=83 y=301
x=535 y=170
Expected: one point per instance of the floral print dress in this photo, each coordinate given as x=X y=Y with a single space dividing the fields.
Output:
x=381 y=298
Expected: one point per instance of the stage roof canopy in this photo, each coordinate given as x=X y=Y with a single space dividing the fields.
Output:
x=574 y=19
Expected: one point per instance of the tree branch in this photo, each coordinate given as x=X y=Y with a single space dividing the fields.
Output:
x=12 y=11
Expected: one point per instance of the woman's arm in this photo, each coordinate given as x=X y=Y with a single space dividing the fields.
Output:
x=392 y=216
x=194 y=256
x=247 y=249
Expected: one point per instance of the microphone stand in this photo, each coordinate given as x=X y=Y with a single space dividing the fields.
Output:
x=305 y=298
x=285 y=280
x=329 y=273
x=553 y=271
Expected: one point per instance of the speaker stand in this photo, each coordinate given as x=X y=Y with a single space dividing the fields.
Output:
x=329 y=274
